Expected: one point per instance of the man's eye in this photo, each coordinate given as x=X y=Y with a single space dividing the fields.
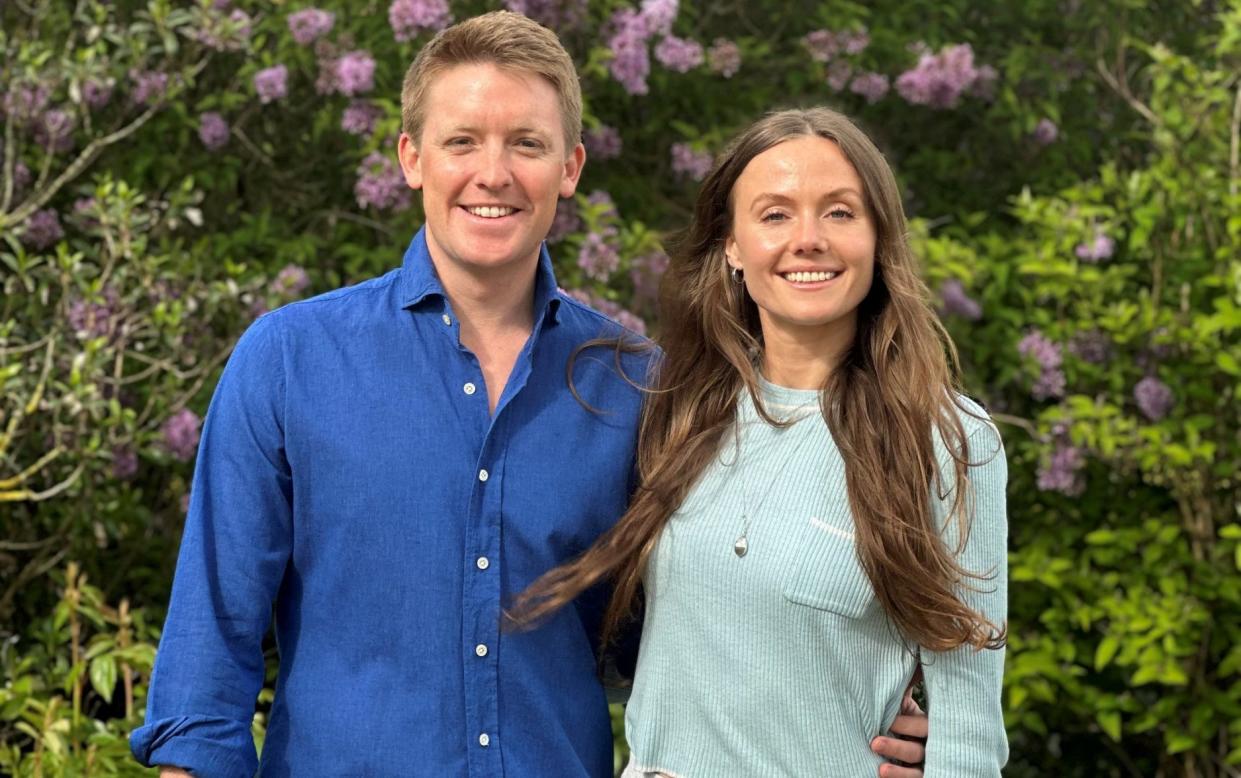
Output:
x=530 y=143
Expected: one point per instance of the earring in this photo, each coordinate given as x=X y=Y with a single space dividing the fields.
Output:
x=736 y=275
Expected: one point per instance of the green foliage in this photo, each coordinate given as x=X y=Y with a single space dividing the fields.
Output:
x=1115 y=243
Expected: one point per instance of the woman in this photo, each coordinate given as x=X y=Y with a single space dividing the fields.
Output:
x=821 y=512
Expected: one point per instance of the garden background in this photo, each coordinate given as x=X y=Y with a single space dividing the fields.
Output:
x=172 y=169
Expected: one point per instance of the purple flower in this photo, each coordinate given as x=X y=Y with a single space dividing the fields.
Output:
x=291 y=281
x=597 y=258
x=21 y=176
x=149 y=86
x=96 y=93
x=92 y=318
x=838 y=75
x=1050 y=384
x=1153 y=397
x=310 y=24
x=355 y=73
x=630 y=63
x=724 y=57
x=272 y=83
x=213 y=131
x=645 y=271
x=26 y=102
x=610 y=309
x=604 y=202
x=679 y=54
x=556 y=14
x=957 y=302
x=1046 y=353
x=408 y=18
x=42 y=229
x=1045 y=132
x=939 y=80
x=54 y=131
x=231 y=34
x=689 y=163
x=602 y=142
x=381 y=184
x=360 y=117
x=180 y=433
x=1062 y=470
x=1093 y=346
x=124 y=463
x=86 y=212
x=659 y=15
x=822 y=45
x=1097 y=249
x=567 y=221
x=854 y=42
x=872 y=86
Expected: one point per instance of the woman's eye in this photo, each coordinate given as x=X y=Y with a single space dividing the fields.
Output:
x=774 y=216
x=840 y=213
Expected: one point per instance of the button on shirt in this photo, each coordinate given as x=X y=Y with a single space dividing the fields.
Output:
x=345 y=475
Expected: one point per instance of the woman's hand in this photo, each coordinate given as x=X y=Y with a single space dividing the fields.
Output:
x=905 y=749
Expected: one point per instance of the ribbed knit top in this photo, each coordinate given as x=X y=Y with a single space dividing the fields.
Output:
x=782 y=662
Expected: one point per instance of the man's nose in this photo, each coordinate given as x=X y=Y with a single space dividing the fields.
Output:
x=495 y=171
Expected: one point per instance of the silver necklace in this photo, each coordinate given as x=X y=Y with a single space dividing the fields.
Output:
x=742 y=544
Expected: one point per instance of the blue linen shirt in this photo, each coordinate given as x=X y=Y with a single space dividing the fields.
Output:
x=351 y=473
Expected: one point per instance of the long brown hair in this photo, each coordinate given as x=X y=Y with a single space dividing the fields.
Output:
x=882 y=403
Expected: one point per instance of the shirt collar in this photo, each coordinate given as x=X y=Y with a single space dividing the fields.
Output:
x=419 y=281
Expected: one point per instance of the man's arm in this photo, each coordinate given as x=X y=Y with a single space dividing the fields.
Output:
x=234 y=551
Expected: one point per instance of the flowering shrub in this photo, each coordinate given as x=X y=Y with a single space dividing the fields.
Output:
x=171 y=170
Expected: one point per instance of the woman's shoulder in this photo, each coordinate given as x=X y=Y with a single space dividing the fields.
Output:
x=979 y=430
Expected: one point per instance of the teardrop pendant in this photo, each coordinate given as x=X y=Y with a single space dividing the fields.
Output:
x=741 y=546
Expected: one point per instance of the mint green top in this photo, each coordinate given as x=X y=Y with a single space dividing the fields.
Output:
x=782 y=662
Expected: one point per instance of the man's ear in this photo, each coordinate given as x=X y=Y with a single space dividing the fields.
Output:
x=572 y=170
x=411 y=161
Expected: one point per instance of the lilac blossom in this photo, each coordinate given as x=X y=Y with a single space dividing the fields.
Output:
x=1062 y=470
x=291 y=281
x=149 y=86
x=21 y=176
x=42 y=229
x=679 y=54
x=838 y=74
x=855 y=41
x=54 y=131
x=566 y=221
x=724 y=57
x=409 y=18
x=689 y=163
x=355 y=73
x=645 y=272
x=272 y=83
x=1045 y=132
x=610 y=309
x=872 y=86
x=96 y=93
x=939 y=80
x=957 y=301
x=359 y=117
x=93 y=318
x=1051 y=380
x=556 y=14
x=1153 y=397
x=310 y=24
x=821 y=44
x=1093 y=346
x=381 y=184
x=213 y=130
x=630 y=63
x=1097 y=249
x=602 y=142
x=659 y=15
x=180 y=433
x=229 y=34
x=124 y=463
x=603 y=202
x=26 y=102
x=598 y=258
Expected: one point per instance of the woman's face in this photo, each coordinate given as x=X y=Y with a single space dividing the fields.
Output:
x=805 y=241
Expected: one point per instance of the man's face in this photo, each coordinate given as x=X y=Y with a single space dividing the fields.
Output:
x=491 y=164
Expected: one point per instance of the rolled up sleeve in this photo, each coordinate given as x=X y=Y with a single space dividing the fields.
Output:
x=234 y=552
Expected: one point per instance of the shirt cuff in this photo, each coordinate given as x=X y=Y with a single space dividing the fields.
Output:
x=206 y=746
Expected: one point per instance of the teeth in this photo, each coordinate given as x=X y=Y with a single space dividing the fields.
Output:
x=807 y=278
x=491 y=211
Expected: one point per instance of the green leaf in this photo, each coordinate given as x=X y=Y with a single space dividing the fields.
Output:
x=1179 y=742
x=1105 y=652
x=103 y=675
x=1109 y=722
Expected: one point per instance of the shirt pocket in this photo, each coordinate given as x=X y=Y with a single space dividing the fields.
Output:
x=825 y=573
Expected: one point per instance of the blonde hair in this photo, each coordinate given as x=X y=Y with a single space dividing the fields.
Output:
x=507 y=40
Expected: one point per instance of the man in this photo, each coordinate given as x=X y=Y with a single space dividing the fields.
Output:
x=390 y=462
